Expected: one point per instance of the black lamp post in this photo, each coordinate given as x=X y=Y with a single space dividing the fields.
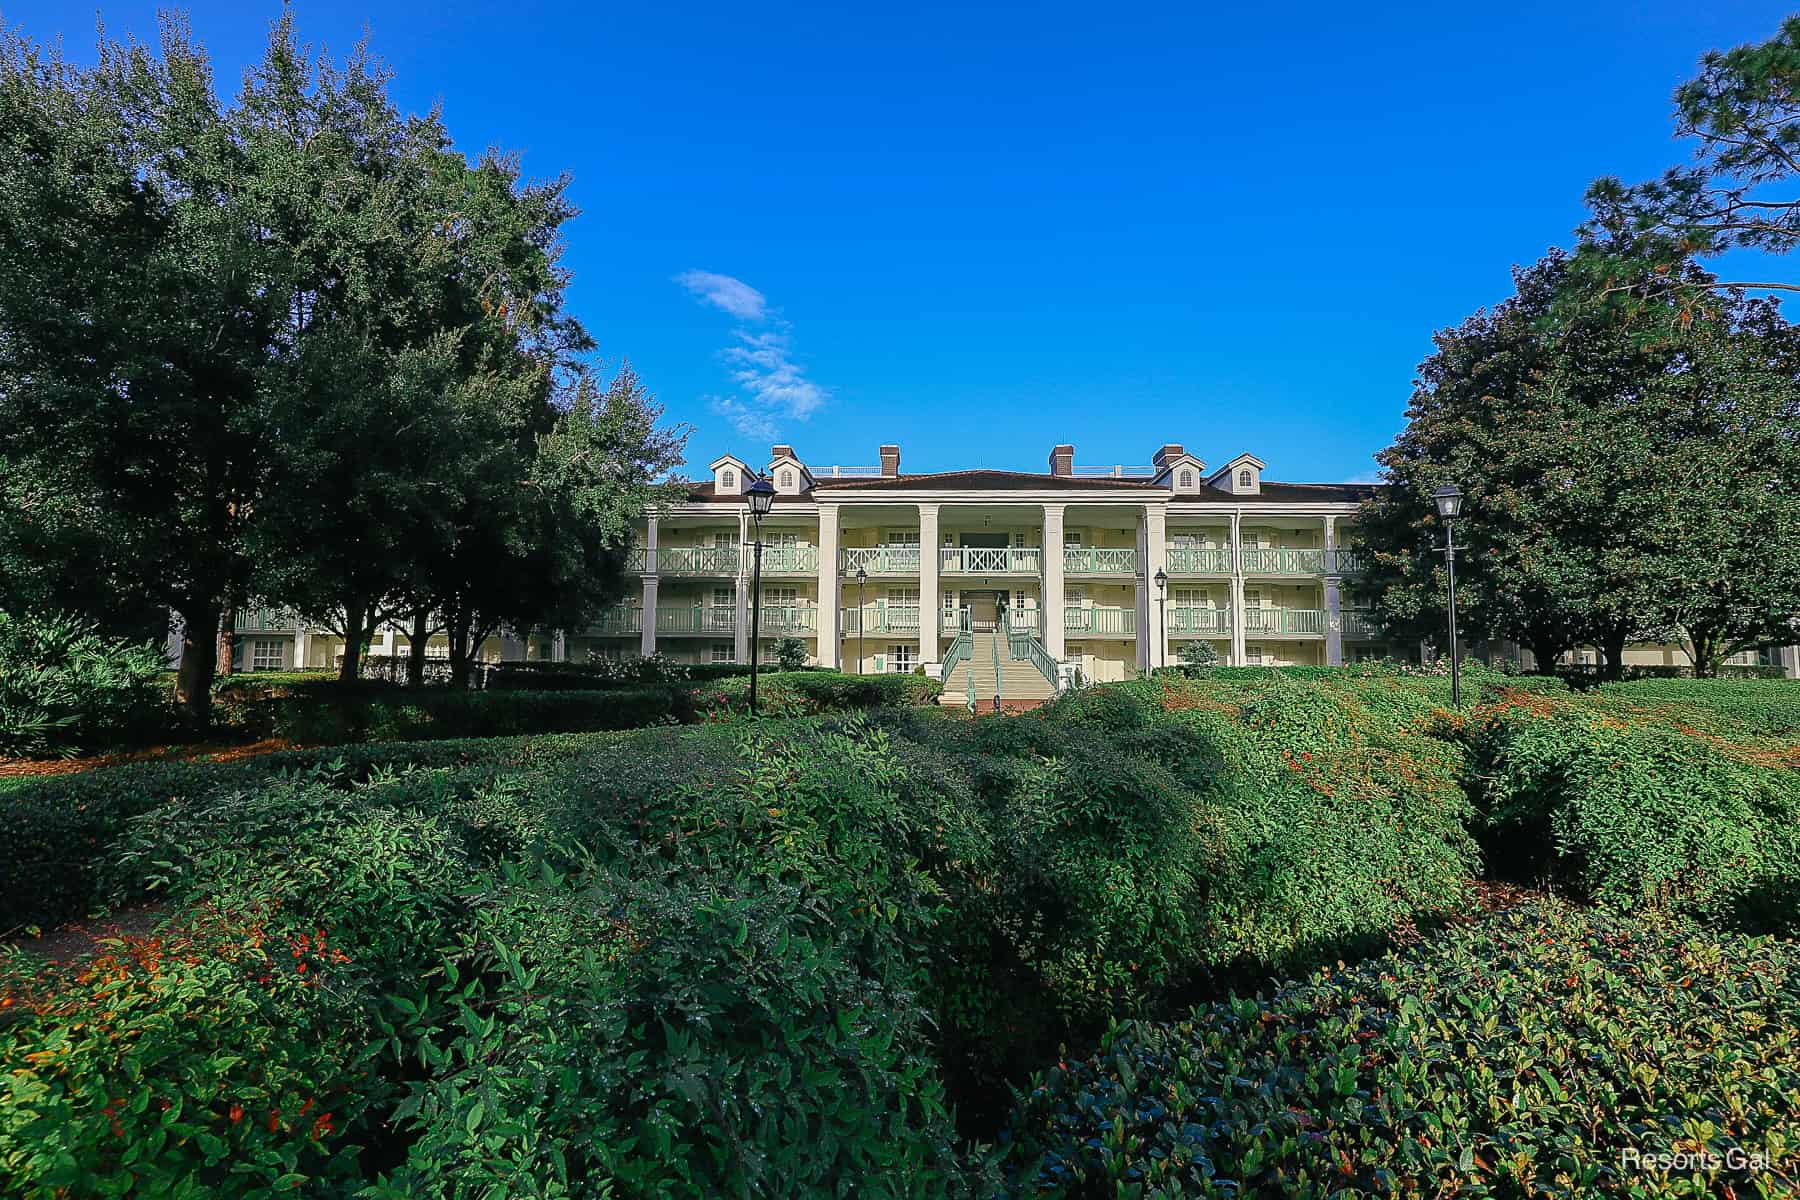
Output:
x=1162 y=617
x=1449 y=499
x=762 y=498
x=862 y=616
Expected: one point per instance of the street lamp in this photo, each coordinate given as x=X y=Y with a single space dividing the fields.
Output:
x=1162 y=617
x=762 y=498
x=862 y=616
x=1449 y=500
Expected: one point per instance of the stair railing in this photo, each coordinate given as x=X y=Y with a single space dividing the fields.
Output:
x=1027 y=647
x=994 y=644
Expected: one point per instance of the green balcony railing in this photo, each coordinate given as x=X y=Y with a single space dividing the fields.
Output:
x=880 y=560
x=1022 y=620
x=700 y=619
x=1361 y=625
x=1100 y=621
x=1199 y=621
x=1099 y=560
x=1263 y=621
x=616 y=621
x=1198 y=560
x=697 y=560
x=790 y=560
x=1344 y=562
x=635 y=559
x=788 y=620
x=990 y=560
x=1283 y=562
x=881 y=617
x=263 y=620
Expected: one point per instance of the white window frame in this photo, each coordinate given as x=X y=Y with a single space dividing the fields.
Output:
x=268 y=654
x=902 y=657
x=722 y=652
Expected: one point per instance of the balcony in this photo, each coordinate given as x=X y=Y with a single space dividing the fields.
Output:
x=696 y=560
x=790 y=560
x=880 y=560
x=1195 y=621
x=1099 y=621
x=788 y=620
x=1283 y=562
x=615 y=622
x=700 y=620
x=263 y=620
x=1284 y=622
x=1345 y=562
x=1197 y=560
x=990 y=560
x=882 y=617
x=1360 y=625
x=1099 y=560
x=635 y=558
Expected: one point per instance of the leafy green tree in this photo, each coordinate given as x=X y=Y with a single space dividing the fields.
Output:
x=1626 y=474
x=140 y=301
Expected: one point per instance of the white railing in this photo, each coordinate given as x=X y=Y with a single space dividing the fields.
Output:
x=1099 y=560
x=845 y=472
x=1121 y=471
x=1284 y=620
x=880 y=560
x=990 y=560
x=1199 y=621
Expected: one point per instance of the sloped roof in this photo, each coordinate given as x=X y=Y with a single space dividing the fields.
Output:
x=999 y=481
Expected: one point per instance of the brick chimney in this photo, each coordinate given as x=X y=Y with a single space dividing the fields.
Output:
x=1168 y=454
x=782 y=452
x=1062 y=460
x=890 y=462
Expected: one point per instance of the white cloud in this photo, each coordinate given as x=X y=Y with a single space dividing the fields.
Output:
x=725 y=293
x=761 y=361
x=749 y=422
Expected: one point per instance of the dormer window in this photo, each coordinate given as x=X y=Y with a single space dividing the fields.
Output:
x=1187 y=480
x=728 y=480
x=1244 y=479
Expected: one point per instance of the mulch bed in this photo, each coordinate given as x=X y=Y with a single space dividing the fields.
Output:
x=80 y=939
x=203 y=751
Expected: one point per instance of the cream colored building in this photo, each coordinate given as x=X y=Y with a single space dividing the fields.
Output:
x=1007 y=581
x=875 y=569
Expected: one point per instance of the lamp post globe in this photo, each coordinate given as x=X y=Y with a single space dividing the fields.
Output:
x=1449 y=501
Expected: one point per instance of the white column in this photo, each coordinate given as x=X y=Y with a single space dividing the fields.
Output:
x=647 y=640
x=1052 y=607
x=740 y=650
x=1156 y=558
x=1334 y=599
x=930 y=603
x=828 y=586
x=301 y=644
x=1146 y=608
x=559 y=646
x=1238 y=654
x=1790 y=657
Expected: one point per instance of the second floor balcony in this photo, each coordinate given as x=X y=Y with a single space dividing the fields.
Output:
x=1097 y=620
x=263 y=620
x=1284 y=622
x=990 y=560
x=1099 y=560
x=882 y=617
x=880 y=560
x=1198 y=621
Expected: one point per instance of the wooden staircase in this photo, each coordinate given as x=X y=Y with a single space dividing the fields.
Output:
x=995 y=672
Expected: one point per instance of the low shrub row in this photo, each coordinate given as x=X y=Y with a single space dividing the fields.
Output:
x=1547 y=1052
x=328 y=718
x=1656 y=793
x=610 y=672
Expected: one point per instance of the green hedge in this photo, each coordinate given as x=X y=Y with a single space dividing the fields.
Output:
x=1528 y=1055
x=816 y=692
x=1636 y=797
x=329 y=718
x=55 y=831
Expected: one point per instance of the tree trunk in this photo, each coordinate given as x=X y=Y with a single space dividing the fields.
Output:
x=415 y=648
x=1611 y=645
x=1703 y=651
x=1544 y=653
x=456 y=633
x=355 y=629
x=199 y=658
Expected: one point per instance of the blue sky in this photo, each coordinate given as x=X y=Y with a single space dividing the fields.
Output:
x=981 y=230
